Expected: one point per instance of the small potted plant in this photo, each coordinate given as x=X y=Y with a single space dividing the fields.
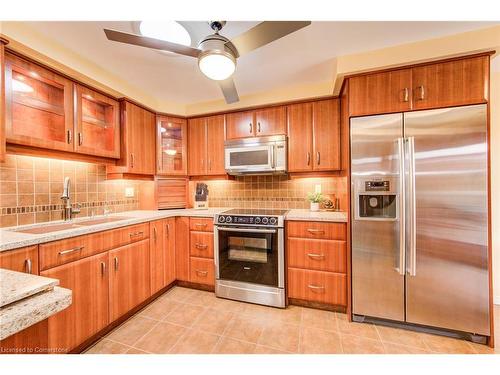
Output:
x=315 y=199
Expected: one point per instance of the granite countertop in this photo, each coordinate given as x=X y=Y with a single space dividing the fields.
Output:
x=307 y=215
x=11 y=238
x=28 y=299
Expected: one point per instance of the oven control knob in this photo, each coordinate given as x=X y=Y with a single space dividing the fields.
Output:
x=257 y=220
x=265 y=220
x=222 y=219
x=229 y=219
x=273 y=221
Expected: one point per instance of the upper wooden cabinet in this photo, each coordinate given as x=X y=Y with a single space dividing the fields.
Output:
x=206 y=146
x=171 y=146
x=260 y=122
x=97 y=123
x=452 y=83
x=314 y=136
x=39 y=106
x=138 y=141
x=435 y=85
x=380 y=93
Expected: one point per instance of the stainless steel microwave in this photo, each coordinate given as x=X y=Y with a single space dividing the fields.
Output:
x=259 y=155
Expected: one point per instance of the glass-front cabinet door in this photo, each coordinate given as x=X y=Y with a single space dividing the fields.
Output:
x=39 y=106
x=171 y=146
x=97 y=123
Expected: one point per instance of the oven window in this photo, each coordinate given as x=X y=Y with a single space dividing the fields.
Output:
x=248 y=257
x=249 y=158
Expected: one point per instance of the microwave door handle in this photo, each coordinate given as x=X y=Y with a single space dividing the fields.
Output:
x=244 y=230
x=273 y=156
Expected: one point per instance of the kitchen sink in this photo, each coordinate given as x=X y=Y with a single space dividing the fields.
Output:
x=64 y=226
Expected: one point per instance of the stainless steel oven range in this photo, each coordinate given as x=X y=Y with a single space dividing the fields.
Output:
x=250 y=256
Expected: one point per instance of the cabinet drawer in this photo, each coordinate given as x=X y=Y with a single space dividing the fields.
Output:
x=133 y=233
x=321 y=255
x=202 y=271
x=202 y=244
x=201 y=224
x=64 y=251
x=317 y=286
x=316 y=229
x=21 y=260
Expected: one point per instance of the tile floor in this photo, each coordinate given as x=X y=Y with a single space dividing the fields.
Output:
x=192 y=321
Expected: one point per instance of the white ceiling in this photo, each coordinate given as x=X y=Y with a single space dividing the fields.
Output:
x=303 y=57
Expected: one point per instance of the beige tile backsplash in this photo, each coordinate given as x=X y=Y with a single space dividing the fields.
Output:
x=271 y=191
x=31 y=188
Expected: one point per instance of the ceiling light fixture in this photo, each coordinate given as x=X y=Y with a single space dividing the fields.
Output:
x=171 y=31
x=170 y=152
x=218 y=57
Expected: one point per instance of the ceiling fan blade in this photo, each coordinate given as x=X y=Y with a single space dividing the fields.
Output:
x=144 y=41
x=229 y=90
x=264 y=33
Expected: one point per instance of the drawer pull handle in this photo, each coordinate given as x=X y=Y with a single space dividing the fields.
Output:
x=201 y=246
x=316 y=231
x=135 y=234
x=203 y=225
x=202 y=273
x=155 y=233
x=103 y=268
x=28 y=266
x=64 y=252
x=315 y=256
x=316 y=287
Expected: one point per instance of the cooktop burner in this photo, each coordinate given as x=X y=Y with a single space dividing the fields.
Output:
x=255 y=212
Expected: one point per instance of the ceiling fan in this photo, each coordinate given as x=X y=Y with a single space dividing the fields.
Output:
x=217 y=54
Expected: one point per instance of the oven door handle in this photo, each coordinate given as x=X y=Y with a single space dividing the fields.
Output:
x=224 y=229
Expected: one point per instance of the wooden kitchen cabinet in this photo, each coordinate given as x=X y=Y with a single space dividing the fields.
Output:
x=171 y=147
x=169 y=250
x=383 y=92
x=201 y=244
x=182 y=248
x=129 y=280
x=452 y=83
x=97 y=123
x=21 y=260
x=257 y=123
x=202 y=271
x=138 y=142
x=206 y=146
x=317 y=286
x=314 y=136
x=162 y=253
x=88 y=313
x=38 y=106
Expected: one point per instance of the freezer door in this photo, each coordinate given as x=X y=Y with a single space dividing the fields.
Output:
x=447 y=281
x=377 y=272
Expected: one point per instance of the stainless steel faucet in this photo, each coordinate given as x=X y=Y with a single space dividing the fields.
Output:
x=68 y=211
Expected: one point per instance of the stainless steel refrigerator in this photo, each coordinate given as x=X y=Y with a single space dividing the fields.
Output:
x=420 y=218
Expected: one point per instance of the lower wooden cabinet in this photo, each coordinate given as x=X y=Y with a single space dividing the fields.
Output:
x=202 y=271
x=129 y=279
x=169 y=250
x=21 y=260
x=320 y=255
x=162 y=253
x=182 y=248
x=317 y=286
x=88 y=313
x=201 y=244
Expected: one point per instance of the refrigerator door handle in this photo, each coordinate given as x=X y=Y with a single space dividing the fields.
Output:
x=402 y=212
x=412 y=215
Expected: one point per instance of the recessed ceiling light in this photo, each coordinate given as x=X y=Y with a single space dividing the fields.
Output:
x=171 y=31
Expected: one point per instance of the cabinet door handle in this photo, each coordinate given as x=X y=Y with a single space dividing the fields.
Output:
x=168 y=230
x=316 y=287
x=422 y=92
x=315 y=256
x=258 y=127
x=406 y=95
x=28 y=266
x=201 y=246
x=251 y=128
x=308 y=158
x=116 y=263
x=155 y=233
x=202 y=273
x=315 y=230
x=135 y=234
x=132 y=160
x=80 y=139
x=64 y=252
x=318 y=157
x=103 y=268
x=69 y=136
